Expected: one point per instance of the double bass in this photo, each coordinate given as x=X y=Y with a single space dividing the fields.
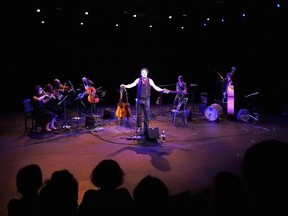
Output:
x=230 y=93
x=123 y=109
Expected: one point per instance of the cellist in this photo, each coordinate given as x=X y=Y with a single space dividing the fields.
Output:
x=88 y=94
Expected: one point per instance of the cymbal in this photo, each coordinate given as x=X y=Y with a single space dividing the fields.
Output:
x=193 y=85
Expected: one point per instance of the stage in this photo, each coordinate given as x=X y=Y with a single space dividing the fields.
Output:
x=186 y=160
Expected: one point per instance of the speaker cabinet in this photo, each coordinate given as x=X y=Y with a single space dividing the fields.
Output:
x=108 y=113
x=153 y=134
x=89 y=121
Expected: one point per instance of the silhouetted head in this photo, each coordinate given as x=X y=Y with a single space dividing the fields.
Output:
x=264 y=172
x=29 y=179
x=107 y=175
x=151 y=189
x=60 y=193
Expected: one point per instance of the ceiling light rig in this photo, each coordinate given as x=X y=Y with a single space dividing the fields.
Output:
x=183 y=19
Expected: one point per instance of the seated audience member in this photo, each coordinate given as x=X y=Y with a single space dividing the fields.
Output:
x=109 y=198
x=226 y=195
x=59 y=195
x=28 y=182
x=264 y=172
x=151 y=197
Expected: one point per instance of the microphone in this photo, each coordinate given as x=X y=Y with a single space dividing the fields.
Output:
x=220 y=75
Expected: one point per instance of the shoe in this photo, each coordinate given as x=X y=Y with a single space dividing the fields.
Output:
x=53 y=128
x=48 y=129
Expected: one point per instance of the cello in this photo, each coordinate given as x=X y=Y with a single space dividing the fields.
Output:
x=123 y=109
x=92 y=97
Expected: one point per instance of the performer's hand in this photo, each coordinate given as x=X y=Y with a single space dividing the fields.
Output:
x=166 y=91
x=122 y=86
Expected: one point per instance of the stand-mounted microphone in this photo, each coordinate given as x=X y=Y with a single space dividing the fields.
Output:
x=219 y=75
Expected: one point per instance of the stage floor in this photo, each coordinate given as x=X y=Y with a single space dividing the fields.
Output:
x=187 y=159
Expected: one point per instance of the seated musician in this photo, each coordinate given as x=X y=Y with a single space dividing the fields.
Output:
x=44 y=116
x=52 y=104
x=181 y=86
x=88 y=95
x=60 y=89
x=226 y=86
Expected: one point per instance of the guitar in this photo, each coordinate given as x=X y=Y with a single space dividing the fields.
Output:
x=123 y=109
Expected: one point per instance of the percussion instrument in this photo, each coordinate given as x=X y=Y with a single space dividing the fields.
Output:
x=213 y=112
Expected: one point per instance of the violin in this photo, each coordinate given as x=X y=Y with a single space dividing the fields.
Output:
x=48 y=95
x=64 y=88
x=58 y=95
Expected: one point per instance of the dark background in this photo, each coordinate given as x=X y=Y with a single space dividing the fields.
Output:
x=36 y=53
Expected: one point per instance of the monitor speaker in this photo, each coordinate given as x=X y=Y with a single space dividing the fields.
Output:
x=153 y=134
x=108 y=113
x=89 y=121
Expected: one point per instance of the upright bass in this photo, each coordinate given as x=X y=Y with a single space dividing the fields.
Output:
x=123 y=109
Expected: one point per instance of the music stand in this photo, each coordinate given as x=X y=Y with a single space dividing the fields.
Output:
x=101 y=98
x=64 y=101
x=159 y=103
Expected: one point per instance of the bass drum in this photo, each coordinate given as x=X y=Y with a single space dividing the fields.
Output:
x=213 y=112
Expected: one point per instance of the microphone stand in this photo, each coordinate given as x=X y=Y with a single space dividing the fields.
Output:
x=65 y=125
x=218 y=90
x=160 y=98
x=159 y=103
x=136 y=136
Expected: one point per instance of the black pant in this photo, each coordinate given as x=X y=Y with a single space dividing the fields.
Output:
x=143 y=105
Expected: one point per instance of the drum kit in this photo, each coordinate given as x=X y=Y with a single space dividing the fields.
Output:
x=213 y=112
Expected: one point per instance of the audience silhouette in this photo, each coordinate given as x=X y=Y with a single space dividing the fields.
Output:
x=264 y=173
x=109 y=198
x=261 y=189
x=28 y=183
x=226 y=195
x=151 y=197
x=59 y=195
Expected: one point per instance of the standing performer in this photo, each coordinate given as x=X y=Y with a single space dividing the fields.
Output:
x=143 y=97
x=228 y=92
x=181 y=86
